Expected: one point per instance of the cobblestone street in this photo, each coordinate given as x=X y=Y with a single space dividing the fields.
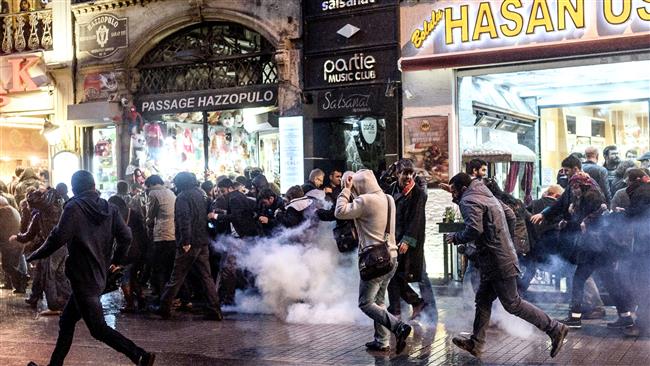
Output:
x=243 y=339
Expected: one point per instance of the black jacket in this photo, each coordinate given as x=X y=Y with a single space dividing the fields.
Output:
x=269 y=212
x=296 y=212
x=191 y=218
x=95 y=235
x=486 y=225
x=410 y=226
x=240 y=212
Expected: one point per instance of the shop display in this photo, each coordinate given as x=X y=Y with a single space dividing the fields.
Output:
x=104 y=162
x=426 y=142
x=232 y=148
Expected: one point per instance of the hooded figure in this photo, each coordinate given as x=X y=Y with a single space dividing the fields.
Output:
x=11 y=251
x=29 y=178
x=370 y=211
x=96 y=238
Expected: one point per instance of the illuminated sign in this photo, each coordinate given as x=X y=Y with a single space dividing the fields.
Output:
x=18 y=78
x=292 y=168
x=455 y=26
x=357 y=67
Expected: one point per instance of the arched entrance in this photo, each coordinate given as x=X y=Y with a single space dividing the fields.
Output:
x=205 y=94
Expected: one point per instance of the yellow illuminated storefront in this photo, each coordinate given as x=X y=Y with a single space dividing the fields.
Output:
x=525 y=83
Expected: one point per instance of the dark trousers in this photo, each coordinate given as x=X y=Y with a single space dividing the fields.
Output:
x=399 y=288
x=11 y=253
x=612 y=280
x=506 y=291
x=197 y=257
x=89 y=308
x=163 y=263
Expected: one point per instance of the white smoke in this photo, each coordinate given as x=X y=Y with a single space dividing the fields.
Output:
x=300 y=276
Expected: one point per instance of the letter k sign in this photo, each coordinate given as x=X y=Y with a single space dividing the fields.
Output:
x=21 y=80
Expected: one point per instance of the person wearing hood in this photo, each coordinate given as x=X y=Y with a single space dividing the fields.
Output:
x=192 y=252
x=11 y=251
x=259 y=182
x=97 y=240
x=485 y=224
x=49 y=275
x=411 y=223
x=369 y=209
x=4 y=192
x=29 y=178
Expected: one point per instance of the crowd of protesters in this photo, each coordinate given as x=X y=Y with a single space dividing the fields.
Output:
x=595 y=218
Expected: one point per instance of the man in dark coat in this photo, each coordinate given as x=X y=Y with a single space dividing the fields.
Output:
x=410 y=201
x=596 y=172
x=485 y=224
x=89 y=226
x=240 y=211
x=192 y=240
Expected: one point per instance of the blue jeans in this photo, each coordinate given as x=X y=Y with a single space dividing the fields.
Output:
x=372 y=296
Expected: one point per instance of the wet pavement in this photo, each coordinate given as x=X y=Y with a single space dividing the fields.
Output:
x=246 y=339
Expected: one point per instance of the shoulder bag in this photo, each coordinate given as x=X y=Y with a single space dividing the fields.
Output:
x=375 y=260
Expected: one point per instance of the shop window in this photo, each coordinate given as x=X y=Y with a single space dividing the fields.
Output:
x=624 y=124
x=169 y=144
x=351 y=143
x=22 y=6
x=104 y=163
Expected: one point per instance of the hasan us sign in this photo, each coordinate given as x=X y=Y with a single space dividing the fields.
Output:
x=103 y=36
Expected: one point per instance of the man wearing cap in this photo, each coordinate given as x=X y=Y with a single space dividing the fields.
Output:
x=645 y=160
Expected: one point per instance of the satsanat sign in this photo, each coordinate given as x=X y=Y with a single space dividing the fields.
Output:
x=453 y=26
x=17 y=79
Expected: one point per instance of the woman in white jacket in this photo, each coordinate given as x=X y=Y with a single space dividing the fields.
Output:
x=369 y=210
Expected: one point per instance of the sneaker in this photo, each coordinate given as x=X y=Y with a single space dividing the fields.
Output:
x=467 y=345
x=403 y=331
x=572 y=322
x=621 y=322
x=376 y=346
x=596 y=313
x=417 y=309
x=557 y=339
x=147 y=359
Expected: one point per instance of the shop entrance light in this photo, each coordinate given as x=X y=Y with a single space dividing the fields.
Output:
x=51 y=132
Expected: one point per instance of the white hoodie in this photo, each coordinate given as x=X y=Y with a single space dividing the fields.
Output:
x=368 y=210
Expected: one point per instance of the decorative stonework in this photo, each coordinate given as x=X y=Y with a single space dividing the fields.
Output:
x=106 y=5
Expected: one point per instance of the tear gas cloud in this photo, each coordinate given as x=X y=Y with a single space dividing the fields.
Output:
x=300 y=276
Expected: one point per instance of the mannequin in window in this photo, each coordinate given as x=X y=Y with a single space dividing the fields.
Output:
x=154 y=137
x=4 y=7
x=25 y=6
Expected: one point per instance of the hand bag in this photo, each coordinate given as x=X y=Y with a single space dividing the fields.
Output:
x=375 y=260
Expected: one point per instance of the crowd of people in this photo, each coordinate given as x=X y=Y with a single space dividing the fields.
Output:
x=159 y=243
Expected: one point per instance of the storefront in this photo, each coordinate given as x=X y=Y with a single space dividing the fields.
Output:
x=544 y=77
x=27 y=110
x=524 y=84
x=171 y=92
x=218 y=115
x=351 y=100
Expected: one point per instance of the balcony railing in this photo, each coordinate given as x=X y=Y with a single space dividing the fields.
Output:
x=26 y=32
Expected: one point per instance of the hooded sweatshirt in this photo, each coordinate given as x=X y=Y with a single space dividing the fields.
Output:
x=29 y=178
x=369 y=210
x=90 y=227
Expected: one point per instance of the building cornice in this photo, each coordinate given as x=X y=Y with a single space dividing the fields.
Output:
x=99 y=6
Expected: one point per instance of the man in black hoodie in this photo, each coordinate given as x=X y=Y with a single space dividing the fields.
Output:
x=89 y=226
x=192 y=240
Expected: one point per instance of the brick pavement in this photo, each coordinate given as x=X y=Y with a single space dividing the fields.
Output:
x=263 y=340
